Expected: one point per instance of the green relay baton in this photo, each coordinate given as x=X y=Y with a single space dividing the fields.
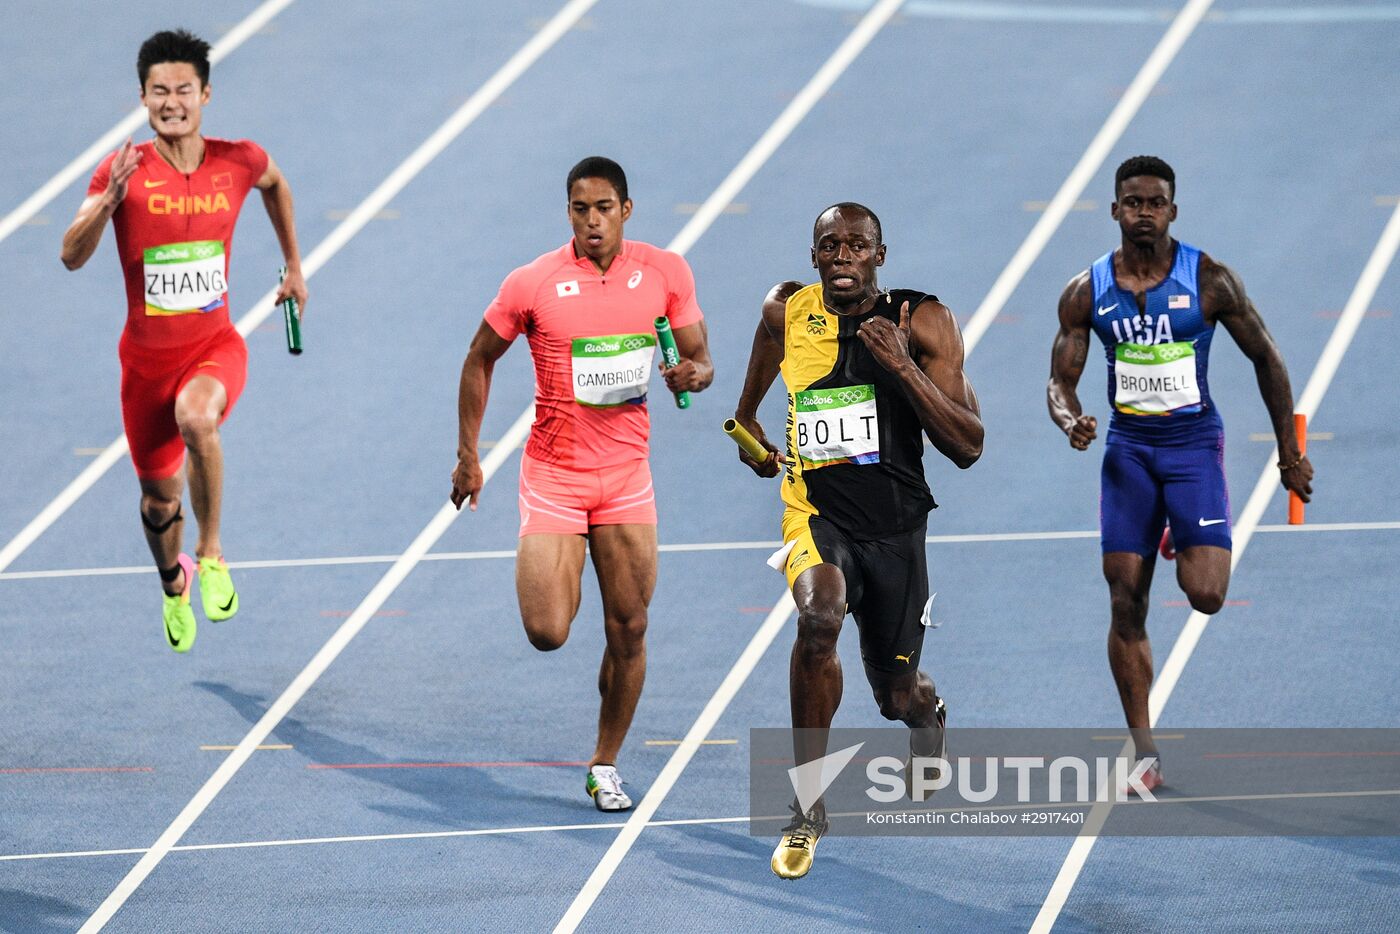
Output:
x=670 y=355
x=290 y=316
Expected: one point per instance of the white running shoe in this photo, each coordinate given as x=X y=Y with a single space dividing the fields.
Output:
x=605 y=787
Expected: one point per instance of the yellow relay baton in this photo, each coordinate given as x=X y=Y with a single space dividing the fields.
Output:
x=746 y=441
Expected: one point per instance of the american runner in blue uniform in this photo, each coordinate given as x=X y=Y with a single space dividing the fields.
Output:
x=1154 y=303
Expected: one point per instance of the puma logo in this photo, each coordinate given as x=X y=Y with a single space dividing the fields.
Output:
x=903 y=658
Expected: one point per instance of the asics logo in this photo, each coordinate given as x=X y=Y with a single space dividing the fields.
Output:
x=1104 y=311
x=1205 y=522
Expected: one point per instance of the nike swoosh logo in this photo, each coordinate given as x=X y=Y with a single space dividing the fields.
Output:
x=228 y=606
x=150 y=184
x=1104 y=311
x=1206 y=522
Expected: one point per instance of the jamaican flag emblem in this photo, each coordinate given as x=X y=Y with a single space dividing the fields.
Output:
x=816 y=324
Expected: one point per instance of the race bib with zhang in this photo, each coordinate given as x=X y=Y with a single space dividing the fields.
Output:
x=184 y=278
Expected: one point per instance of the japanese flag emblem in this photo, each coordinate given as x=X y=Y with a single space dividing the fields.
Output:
x=565 y=289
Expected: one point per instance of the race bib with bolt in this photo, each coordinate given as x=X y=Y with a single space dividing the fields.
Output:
x=837 y=426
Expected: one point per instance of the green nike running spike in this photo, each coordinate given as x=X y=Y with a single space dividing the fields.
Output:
x=216 y=590
x=179 y=615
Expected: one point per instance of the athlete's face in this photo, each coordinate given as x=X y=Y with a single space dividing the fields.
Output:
x=1144 y=209
x=846 y=251
x=174 y=98
x=597 y=215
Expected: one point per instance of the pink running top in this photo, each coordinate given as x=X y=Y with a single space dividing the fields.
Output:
x=594 y=346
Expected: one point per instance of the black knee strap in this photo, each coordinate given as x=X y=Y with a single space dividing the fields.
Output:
x=160 y=529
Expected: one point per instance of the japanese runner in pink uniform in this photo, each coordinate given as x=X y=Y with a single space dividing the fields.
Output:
x=591 y=338
x=588 y=311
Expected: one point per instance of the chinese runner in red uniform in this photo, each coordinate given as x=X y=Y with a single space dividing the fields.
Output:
x=173 y=202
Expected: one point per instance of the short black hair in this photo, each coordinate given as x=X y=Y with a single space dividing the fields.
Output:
x=598 y=167
x=178 y=45
x=851 y=206
x=1144 y=165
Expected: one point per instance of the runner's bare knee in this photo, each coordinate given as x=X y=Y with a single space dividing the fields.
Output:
x=818 y=626
x=627 y=637
x=159 y=510
x=1129 y=610
x=1206 y=599
x=198 y=427
x=546 y=634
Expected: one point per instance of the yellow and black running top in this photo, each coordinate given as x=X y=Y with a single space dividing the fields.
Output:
x=854 y=442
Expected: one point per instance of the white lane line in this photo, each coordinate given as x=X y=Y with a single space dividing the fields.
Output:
x=748 y=166
x=1331 y=527
x=675 y=765
x=976 y=538
x=787 y=121
x=681 y=822
x=128 y=125
x=518 y=63
x=60 y=503
x=1084 y=171
x=991 y=306
x=308 y=676
x=396 y=181
x=1318 y=383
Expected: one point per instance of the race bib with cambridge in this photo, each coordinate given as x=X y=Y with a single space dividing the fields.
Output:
x=1156 y=380
x=612 y=370
x=837 y=426
x=185 y=278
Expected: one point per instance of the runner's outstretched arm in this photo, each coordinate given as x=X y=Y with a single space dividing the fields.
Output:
x=277 y=199
x=764 y=362
x=1223 y=293
x=1067 y=360
x=85 y=233
x=487 y=347
x=925 y=350
x=696 y=371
